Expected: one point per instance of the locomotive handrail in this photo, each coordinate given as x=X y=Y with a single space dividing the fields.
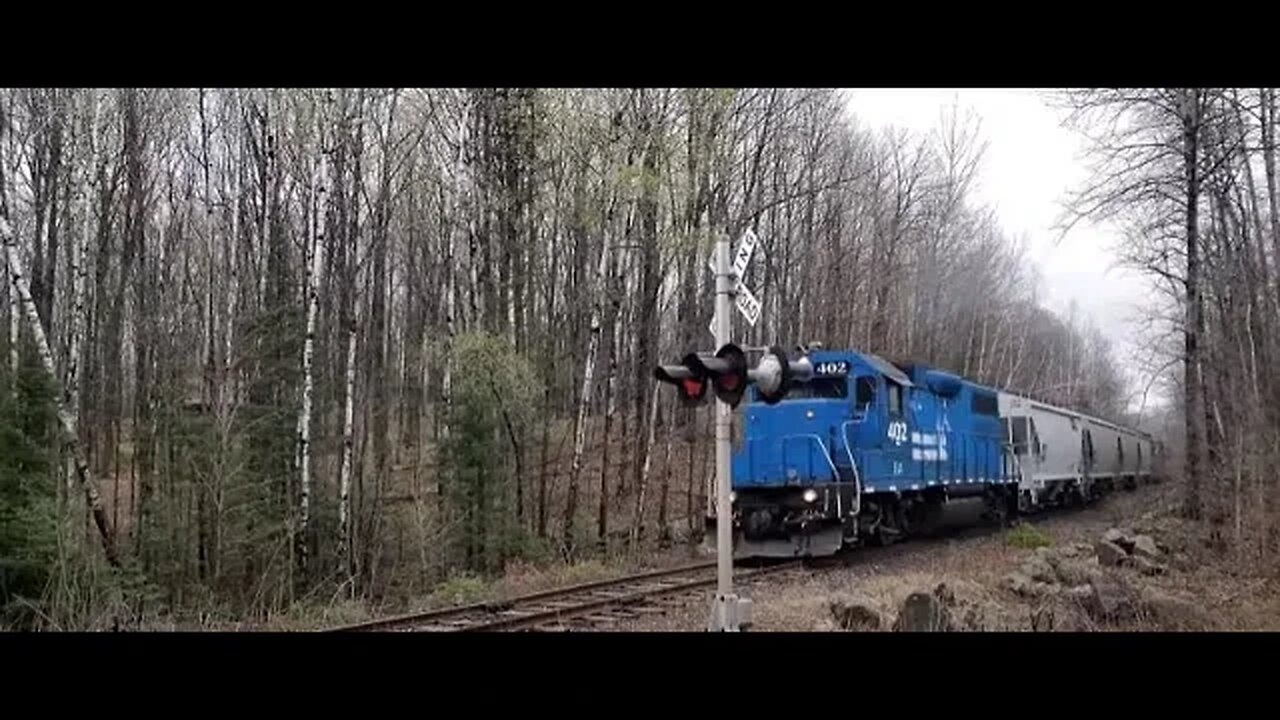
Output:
x=835 y=474
x=857 y=481
x=1011 y=459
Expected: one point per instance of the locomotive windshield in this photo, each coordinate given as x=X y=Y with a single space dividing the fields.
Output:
x=822 y=388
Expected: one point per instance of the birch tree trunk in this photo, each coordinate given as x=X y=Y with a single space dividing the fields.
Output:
x=14 y=330
x=228 y=390
x=1268 y=112
x=304 y=417
x=637 y=516
x=584 y=399
x=344 y=482
x=1194 y=378
x=664 y=529
x=78 y=251
x=66 y=420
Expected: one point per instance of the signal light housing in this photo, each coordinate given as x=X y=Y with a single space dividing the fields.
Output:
x=688 y=377
x=729 y=374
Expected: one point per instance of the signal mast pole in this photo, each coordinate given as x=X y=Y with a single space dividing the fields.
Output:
x=724 y=615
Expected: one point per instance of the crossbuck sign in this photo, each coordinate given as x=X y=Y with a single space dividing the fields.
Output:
x=746 y=301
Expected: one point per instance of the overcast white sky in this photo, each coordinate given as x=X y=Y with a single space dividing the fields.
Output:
x=1031 y=163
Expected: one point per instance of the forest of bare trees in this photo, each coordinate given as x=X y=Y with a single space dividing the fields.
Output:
x=268 y=347
x=1190 y=174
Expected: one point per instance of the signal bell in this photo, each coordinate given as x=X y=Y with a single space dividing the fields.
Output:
x=773 y=376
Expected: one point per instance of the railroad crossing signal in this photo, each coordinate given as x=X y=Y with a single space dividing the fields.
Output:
x=728 y=373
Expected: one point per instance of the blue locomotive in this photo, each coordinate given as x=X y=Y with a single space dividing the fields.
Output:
x=863 y=451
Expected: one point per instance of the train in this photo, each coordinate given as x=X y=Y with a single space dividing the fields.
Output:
x=867 y=451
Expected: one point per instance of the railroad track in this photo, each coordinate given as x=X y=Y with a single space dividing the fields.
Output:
x=603 y=602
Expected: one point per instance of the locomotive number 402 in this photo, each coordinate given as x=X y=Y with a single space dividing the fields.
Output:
x=898 y=432
x=831 y=368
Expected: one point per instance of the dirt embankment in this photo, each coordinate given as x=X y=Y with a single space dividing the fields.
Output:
x=1127 y=563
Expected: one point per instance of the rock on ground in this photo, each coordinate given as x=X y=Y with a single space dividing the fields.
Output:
x=1076 y=550
x=1110 y=554
x=1123 y=538
x=1075 y=572
x=854 y=614
x=1112 y=599
x=1020 y=584
x=1145 y=546
x=1147 y=566
x=923 y=612
x=1038 y=568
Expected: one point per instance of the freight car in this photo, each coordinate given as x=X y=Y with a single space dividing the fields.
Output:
x=1067 y=456
x=868 y=451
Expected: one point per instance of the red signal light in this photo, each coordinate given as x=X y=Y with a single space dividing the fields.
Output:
x=688 y=377
x=730 y=374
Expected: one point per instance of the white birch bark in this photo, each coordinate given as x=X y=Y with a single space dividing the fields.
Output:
x=344 y=484
x=79 y=250
x=637 y=517
x=451 y=305
x=21 y=292
x=13 y=332
x=584 y=401
x=232 y=281
x=304 y=416
x=208 y=339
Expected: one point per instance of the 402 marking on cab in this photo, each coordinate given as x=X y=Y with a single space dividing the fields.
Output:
x=898 y=432
x=831 y=368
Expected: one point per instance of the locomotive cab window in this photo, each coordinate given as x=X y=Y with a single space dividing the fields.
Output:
x=864 y=394
x=895 y=398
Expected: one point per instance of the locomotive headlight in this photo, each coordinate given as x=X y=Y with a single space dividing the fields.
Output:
x=810 y=495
